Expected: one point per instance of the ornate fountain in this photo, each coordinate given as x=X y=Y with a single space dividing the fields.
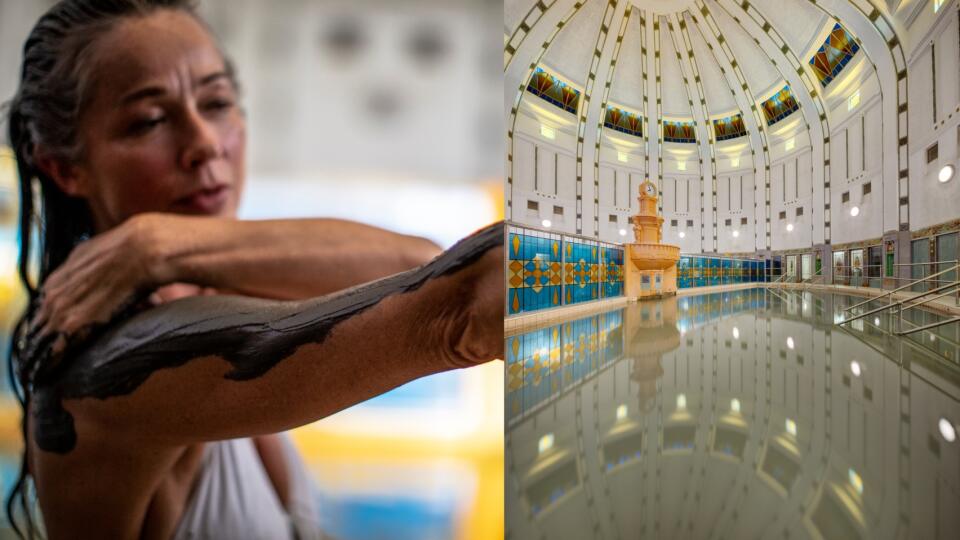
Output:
x=652 y=270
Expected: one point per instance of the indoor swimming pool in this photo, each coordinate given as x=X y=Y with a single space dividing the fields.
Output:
x=743 y=414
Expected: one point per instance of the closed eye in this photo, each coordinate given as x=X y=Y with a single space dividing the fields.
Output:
x=218 y=105
x=145 y=125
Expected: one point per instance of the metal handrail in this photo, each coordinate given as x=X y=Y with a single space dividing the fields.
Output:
x=915 y=304
x=899 y=305
x=888 y=293
x=815 y=274
x=928 y=326
x=926 y=263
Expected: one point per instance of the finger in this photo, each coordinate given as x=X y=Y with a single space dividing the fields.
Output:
x=37 y=353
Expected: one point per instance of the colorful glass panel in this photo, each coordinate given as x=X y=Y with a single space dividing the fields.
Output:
x=834 y=54
x=623 y=121
x=554 y=91
x=779 y=106
x=730 y=127
x=679 y=131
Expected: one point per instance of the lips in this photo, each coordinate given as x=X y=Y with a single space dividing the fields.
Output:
x=205 y=201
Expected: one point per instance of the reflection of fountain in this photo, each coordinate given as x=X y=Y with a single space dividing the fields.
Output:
x=652 y=271
x=652 y=333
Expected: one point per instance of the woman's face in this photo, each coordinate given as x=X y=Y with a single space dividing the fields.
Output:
x=163 y=131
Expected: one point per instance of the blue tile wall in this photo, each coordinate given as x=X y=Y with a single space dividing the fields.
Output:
x=695 y=271
x=546 y=270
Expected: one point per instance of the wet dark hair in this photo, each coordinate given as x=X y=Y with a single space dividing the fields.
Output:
x=55 y=86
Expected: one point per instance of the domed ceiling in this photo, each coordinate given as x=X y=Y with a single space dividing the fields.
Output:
x=710 y=89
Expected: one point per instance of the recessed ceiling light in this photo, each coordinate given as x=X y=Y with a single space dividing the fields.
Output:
x=947 y=430
x=853 y=100
x=623 y=232
x=855 y=368
x=855 y=211
x=855 y=481
x=790 y=343
x=545 y=443
x=946 y=173
x=789 y=227
x=736 y=233
x=735 y=405
x=736 y=333
x=682 y=234
x=546 y=223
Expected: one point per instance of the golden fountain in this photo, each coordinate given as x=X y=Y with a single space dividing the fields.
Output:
x=652 y=271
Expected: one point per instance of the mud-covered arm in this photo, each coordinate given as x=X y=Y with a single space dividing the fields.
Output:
x=215 y=367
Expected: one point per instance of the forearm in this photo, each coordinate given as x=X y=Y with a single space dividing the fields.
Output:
x=282 y=259
x=287 y=363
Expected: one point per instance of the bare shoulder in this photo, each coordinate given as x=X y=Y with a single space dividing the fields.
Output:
x=111 y=485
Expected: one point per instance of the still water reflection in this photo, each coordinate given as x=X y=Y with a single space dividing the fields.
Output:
x=737 y=415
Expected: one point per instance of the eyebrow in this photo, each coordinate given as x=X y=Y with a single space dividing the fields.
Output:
x=154 y=91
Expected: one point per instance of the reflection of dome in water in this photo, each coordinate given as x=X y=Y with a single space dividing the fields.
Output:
x=651 y=328
x=646 y=372
x=643 y=342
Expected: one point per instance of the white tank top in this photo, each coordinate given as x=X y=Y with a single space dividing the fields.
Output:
x=234 y=498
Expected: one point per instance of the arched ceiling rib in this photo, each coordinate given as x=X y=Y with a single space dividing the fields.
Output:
x=627 y=86
x=721 y=100
x=675 y=103
x=761 y=74
x=570 y=54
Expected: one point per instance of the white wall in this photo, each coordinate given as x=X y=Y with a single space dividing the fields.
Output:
x=932 y=202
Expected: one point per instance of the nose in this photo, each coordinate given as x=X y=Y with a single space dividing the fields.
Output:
x=202 y=142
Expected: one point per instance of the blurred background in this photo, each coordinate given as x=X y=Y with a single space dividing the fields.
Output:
x=385 y=112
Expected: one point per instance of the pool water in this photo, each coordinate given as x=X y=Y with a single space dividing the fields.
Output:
x=733 y=415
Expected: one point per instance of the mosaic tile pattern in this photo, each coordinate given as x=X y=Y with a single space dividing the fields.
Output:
x=834 y=54
x=547 y=270
x=554 y=91
x=730 y=127
x=679 y=132
x=623 y=121
x=779 y=106
x=611 y=271
x=533 y=270
x=706 y=271
x=543 y=363
x=580 y=271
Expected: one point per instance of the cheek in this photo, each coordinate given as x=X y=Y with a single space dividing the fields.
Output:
x=235 y=146
x=136 y=180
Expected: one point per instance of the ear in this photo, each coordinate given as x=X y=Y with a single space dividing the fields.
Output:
x=65 y=174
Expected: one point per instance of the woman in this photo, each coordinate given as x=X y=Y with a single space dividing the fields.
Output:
x=163 y=421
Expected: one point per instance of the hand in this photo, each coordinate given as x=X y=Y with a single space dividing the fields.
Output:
x=481 y=338
x=100 y=278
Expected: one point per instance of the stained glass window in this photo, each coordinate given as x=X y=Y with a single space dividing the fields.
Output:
x=834 y=54
x=554 y=91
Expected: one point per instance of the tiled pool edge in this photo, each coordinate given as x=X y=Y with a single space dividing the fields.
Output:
x=530 y=321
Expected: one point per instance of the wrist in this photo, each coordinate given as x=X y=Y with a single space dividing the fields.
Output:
x=153 y=249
